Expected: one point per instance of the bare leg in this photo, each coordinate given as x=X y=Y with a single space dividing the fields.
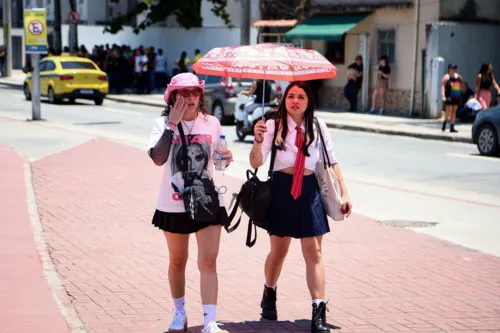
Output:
x=275 y=259
x=374 y=98
x=453 y=114
x=447 y=113
x=315 y=270
x=208 y=250
x=383 y=97
x=178 y=255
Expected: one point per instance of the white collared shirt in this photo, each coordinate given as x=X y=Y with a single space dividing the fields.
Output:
x=286 y=158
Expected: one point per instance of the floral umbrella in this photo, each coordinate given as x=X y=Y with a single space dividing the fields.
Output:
x=266 y=62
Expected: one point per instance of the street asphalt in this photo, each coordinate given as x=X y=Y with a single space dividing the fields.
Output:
x=389 y=177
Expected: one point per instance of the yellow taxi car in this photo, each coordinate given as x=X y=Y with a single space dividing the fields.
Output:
x=64 y=77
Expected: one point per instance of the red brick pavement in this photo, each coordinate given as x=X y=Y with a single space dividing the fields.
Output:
x=26 y=302
x=96 y=203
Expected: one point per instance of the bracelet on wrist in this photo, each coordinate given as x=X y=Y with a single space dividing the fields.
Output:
x=172 y=123
x=257 y=141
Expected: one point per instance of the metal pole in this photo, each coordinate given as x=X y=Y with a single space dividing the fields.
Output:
x=36 y=112
x=364 y=50
x=415 y=56
x=73 y=30
x=35 y=87
x=57 y=27
x=245 y=22
x=7 y=24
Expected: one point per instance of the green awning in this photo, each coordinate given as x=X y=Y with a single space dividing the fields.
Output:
x=325 y=27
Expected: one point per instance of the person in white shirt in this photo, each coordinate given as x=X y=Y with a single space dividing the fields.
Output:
x=296 y=208
x=141 y=68
x=161 y=70
x=186 y=109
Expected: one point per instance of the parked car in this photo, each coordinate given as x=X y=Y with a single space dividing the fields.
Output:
x=220 y=95
x=63 y=77
x=486 y=131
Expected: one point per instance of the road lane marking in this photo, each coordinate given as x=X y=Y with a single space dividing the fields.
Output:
x=474 y=157
x=135 y=113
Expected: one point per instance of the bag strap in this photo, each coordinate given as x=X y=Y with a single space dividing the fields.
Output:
x=274 y=150
x=326 y=158
x=249 y=242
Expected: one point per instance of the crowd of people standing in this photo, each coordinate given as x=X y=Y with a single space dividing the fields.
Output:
x=140 y=70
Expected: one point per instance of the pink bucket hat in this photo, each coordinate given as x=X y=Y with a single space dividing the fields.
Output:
x=183 y=80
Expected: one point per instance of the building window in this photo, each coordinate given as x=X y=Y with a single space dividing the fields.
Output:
x=335 y=51
x=386 y=44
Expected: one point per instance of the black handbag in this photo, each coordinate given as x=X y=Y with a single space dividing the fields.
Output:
x=201 y=198
x=254 y=199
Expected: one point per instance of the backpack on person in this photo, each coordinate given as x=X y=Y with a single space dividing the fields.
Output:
x=254 y=199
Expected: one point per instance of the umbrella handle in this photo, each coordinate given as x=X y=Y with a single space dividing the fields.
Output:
x=263 y=96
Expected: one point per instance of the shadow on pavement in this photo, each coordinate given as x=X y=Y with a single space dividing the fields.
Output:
x=299 y=325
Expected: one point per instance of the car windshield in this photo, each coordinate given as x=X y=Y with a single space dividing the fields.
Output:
x=77 y=65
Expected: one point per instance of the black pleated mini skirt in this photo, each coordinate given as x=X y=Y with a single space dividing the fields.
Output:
x=181 y=223
x=301 y=218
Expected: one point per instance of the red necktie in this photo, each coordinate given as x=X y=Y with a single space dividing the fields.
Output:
x=300 y=164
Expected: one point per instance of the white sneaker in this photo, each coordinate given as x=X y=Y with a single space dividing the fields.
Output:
x=179 y=323
x=213 y=327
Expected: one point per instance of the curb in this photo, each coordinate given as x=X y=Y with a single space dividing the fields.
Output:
x=425 y=136
x=125 y=100
x=12 y=84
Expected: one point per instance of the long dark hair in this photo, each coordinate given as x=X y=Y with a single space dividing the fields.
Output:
x=484 y=72
x=171 y=101
x=308 y=116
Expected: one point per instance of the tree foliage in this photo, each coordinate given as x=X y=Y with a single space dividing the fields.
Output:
x=187 y=13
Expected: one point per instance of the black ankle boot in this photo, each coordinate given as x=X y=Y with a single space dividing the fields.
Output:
x=268 y=304
x=452 y=129
x=318 y=323
x=444 y=126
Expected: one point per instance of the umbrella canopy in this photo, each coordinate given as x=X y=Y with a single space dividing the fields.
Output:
x=266 y=61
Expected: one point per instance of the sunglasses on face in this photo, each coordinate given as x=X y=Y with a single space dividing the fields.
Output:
x=187 y=93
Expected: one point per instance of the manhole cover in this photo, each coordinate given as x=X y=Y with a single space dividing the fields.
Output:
x=407 y=223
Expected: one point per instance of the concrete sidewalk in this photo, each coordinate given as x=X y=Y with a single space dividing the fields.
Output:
x=411 y=127
x=95 y=203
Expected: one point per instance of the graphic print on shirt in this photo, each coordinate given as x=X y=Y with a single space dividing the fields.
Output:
x=195 y=165
x=455 y=90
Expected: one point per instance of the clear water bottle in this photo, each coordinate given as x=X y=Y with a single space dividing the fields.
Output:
x=220 y=161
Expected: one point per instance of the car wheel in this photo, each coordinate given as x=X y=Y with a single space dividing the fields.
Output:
x=487 y=140
x=52 y=96
x=218 y=111
x=99 y=101
x=27 y=93
x=239 y=133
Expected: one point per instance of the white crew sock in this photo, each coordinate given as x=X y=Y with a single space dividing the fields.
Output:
x=209 y=313
x=318 y=301
x=274 y=287
x=179 y=305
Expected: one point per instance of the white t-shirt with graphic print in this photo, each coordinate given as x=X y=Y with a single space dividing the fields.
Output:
x=203 y=136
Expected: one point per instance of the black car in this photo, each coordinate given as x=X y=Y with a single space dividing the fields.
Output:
x=486 y=131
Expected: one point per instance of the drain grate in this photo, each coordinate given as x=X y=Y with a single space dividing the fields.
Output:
x=407 y=223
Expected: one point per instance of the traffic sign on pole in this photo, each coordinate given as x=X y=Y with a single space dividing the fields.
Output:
x=74 y=17
x=35 y=31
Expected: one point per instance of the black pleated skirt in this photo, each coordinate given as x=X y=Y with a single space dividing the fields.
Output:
x=181 y=223
x=301 y=218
